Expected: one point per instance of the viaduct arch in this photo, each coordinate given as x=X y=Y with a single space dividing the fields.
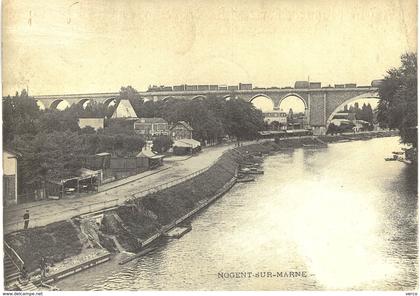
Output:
x=320 y=103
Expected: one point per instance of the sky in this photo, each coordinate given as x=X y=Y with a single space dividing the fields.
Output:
x=295 y=103
x=60 y=46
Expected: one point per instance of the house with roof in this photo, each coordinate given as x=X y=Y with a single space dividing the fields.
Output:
x=149 y=160
x=124 y=110
x=95 y=123
x=186 y=146
x=151 y=127
x=10 y=176
x=181 y=130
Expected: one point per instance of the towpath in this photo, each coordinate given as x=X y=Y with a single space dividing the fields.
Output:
x=48 y=211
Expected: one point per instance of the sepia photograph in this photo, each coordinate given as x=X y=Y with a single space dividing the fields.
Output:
x=209 y=145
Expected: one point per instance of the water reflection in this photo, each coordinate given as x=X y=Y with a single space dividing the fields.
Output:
x=342 y=214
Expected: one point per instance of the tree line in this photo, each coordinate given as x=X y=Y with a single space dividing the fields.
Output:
x=397 y=108
x=211 y=117
x=53 y=146
x=365 y=113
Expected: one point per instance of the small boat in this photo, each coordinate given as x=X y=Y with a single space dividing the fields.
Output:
x=391 y=158
x=398 y=152
x=140 y=254
x=178 y=231
x=245 y=179
x=251 y=171
x=254 y=165
x=248 y=163
x=312 y=145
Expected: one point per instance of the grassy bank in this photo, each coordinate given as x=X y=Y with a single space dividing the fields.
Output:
x=144 y=217
x=139 y=219
x=56 y=241
x=358 y=136
x=130 y=223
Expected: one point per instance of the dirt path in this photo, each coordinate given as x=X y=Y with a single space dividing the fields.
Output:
x=46 y=212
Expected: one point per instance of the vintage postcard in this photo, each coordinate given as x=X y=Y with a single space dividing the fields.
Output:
x=264 y=145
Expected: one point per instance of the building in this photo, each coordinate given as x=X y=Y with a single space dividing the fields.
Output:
x=95 y=123
x=186 y=146
x=149 y=159
x=345 y=119
x=350 y=116
x=85 y=181
x=181 y=130
x=360 y=125
x=151 y=127
x=276 y=117
x=124 y=110
x=10 y=175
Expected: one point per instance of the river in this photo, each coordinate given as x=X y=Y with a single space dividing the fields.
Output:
x=341 y=216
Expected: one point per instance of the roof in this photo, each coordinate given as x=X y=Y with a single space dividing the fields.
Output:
x=83 y=118
x=103 y=154
x=149 y=154
x=86 y=173
x=187 y=143
x=151 y=120
x=11 y=151
x=124 y=109
x=362 y=121
x=184 y=124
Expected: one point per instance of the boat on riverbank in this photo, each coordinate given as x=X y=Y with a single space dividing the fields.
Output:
x=393 y=158
x=390 y=159
x=313 y=146
x=178 y=232
x=138 y=255
x=398 y=152
x=244 y=179
x=250 y=171
x=222 y=169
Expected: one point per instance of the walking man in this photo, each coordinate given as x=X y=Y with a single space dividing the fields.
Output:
x=43 y=267
x=26 y=219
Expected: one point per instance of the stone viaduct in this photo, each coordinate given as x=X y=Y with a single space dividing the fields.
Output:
x=320 y=103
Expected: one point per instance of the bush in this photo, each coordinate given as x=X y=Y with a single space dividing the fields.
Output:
x=161 y=144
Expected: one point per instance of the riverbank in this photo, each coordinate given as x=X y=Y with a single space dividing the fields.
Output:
x=293 y=202
x=141 y=221
x=128 y=227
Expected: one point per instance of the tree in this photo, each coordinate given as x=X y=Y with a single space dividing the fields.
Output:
x=290 y=115
x=243 y=120
x=119 y=138
x=275 y=125
x=131 y=94
x=60 y=121
x=54 y=155
x=332 y=129
x=397 y=107
x=96 y=110
x=161 y=144
x=20 y=116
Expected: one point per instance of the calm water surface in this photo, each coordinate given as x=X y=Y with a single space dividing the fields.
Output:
x=342 y=214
